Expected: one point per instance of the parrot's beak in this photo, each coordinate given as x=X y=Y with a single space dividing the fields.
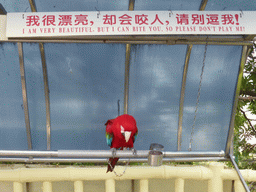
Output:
x=127 y=135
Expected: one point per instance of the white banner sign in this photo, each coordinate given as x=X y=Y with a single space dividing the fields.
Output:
x=50 y=24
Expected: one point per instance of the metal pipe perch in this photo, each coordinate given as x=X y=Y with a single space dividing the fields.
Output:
x=104 y=154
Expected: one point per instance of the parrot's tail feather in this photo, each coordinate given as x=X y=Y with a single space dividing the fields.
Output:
x=111 y=164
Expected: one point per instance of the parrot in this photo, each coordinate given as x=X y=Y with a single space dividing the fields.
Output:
x=121 y=133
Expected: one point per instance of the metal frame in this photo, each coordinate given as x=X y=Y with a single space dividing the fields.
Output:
x=47 y=97
x=235 y=102
x=127 y=77
x=157 y=39
x=183 y=86
x=141 y=156
x=24 y=95
x=81 y=160
x=107 y=154
x=239 y=174
x=2 y=10
x=127 y=66
x=182 y=95
x=203 y=5
x=229 y=144
x=46 y=85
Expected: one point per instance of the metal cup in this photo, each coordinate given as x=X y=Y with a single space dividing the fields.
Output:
x=155 y=158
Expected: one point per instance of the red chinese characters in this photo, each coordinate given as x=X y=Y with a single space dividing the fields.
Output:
x=141 y=19
x=81 y=19
x=197 y=19
x=48 y=20
x=212 y=19
x=109 y=19
x=182 y=19
x=157 y=19
x=227 y=19
x=207 y=19
x=65 y=20
x=32 y=20
x=125 y=19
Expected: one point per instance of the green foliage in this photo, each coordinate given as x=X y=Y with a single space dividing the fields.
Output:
x=245 y=153
x=244 y=129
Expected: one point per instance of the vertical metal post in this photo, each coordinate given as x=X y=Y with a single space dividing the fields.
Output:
x=127 y=66
x=182 y=95
x=126 y=77
x=47 y=97
x=24 y=95
x=46 y=86
x=131 y=5
x=32 y=5
x=203 y=5
x=239 y=81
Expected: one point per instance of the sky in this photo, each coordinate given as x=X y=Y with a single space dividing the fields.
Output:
x=87 y=80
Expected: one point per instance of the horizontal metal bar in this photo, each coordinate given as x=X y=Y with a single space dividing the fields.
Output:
x=29 y=153
x=194 y=154
x=142 y=37
x=75 y=160
x=101 y=154
x=167 y=42
x=104 y=154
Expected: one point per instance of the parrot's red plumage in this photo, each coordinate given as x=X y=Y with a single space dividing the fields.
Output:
x=121 y=133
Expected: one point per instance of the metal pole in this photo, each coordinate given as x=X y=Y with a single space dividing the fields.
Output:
x=47 y=97
x=131 y=5
x=127 y=66
x=2 y=10
x=138 y=40
x=104 y=160
x=46 y=86
x=24 y=95
x=126 y=78
x=182 y=95
x=32 y=5
x=239 y=81
x=203 y=5
x=105 y=154
x=239 y=174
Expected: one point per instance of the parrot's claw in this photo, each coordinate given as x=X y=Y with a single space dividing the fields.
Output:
x=113 y=152
x=134 y=151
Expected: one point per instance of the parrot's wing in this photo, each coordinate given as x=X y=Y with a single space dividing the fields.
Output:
x=109 y=134
x=135 y=136
x=109 y=138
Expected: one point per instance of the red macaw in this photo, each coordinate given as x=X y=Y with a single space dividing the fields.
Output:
x=121 y=132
